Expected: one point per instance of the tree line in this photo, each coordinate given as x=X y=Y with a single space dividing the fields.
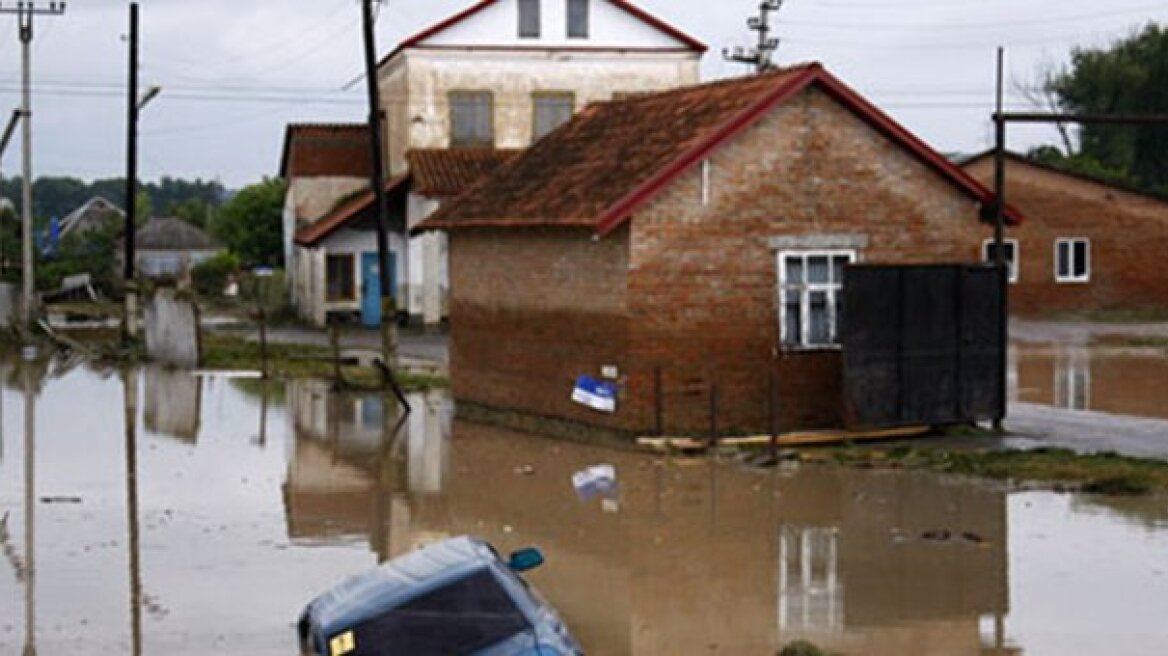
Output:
x=1130 y=76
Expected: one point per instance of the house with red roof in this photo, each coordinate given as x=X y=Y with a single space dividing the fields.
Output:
x=496 y=76
x=664 y=244
x=1088 y=245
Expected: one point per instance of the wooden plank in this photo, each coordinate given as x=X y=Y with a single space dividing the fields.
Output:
x=796 y=439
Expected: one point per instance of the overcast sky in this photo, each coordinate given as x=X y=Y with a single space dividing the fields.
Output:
x=235 y=72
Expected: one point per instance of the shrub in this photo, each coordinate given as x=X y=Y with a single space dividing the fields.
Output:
x=210 y=276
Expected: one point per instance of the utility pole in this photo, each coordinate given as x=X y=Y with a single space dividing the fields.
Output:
x=381 y=207
x=1000 y=238
x=25 y=12
x=761 y=56
x=129 y=327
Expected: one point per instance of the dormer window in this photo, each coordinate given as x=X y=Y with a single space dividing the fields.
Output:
x=529 y=19
x=577 y=19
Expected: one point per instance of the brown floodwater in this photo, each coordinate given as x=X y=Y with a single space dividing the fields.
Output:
x=229 y=504
x=1117 y=380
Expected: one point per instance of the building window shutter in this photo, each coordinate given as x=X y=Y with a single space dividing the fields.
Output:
x=529 y=19
x=472 y=119
x=551 y=111
x=578 y=19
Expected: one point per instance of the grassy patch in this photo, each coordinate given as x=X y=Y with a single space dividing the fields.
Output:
x=232 y=352
x=1131 y=341
x=803 y=648
x=1103 y=473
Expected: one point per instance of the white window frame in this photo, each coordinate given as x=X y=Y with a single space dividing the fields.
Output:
x=1071 y=278
x=1013 y=265
x=833 y=289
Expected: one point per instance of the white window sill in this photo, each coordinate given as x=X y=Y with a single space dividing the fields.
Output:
x=821 y=348
x=1072 y=281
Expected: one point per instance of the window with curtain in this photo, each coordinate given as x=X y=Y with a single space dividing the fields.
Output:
x=811 y=296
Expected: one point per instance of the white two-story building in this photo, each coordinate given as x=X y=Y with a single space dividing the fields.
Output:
x=460 y=99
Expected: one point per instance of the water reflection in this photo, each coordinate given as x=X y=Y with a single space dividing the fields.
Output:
x=173 y=403
x=219 y=539
x=1131 y=381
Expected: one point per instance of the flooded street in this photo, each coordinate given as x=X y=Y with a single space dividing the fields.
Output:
x=1112 y=379
x=228 y=504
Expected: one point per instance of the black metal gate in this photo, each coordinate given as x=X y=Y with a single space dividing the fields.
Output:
x=923 y=345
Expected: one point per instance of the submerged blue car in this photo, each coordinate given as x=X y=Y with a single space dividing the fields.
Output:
x=452 y=597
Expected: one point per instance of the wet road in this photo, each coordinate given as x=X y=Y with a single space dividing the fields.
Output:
x=246 y=501
x=1091 y=398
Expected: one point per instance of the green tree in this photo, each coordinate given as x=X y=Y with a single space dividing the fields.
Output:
x=251 y=223
x=1129 y=77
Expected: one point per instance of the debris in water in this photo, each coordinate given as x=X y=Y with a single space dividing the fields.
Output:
x=525 y=470
x=70 y=500
x=597 y=480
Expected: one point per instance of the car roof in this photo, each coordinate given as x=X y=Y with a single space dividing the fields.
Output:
x=372 y=593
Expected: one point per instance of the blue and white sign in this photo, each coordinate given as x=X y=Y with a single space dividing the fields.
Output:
x=595 y=394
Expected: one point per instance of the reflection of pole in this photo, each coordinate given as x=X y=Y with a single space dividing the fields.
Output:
x=263 y=412
x=130 y=389
x=29 y=511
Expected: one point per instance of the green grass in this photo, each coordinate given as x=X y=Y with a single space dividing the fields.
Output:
x=1103 y=473
x=288 y=361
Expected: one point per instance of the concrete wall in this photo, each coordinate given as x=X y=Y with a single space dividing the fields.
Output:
x=172 y=329
x=428 y=284
x=1128 y=234
x=693 y=288
x=512 y=77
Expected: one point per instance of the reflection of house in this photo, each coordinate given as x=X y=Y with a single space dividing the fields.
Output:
x=498 y=75
x=694 y=555
x=349 y=470
x=173 y=403
x=170 y=247
x=699 y=230
x=1086 y=244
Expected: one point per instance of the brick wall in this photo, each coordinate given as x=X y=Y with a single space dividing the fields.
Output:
x=530 y=311
x=692 y=289
x=1128 y=234
x=703 y=282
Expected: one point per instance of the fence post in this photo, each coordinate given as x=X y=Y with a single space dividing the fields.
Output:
x=658 y=403
x=713 y=412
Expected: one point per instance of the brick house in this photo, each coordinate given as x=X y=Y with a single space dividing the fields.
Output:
x=498 y=74
x=1086 y=245
x=702 y=231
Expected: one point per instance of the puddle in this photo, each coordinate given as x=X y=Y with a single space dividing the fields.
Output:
x=250 y=498
x=1126 y=381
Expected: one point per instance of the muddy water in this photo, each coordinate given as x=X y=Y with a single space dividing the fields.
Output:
x=248 y=500
x=1128 y=381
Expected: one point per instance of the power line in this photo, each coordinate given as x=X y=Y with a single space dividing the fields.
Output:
x=900 y=26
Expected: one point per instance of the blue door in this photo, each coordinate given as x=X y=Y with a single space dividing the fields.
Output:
x=371 y=288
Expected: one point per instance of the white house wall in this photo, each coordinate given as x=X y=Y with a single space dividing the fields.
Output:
x=356 y=243
x=428 y=273
x=608 y=27
x=512 y=78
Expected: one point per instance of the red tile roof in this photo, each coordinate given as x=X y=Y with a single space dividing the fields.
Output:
x=446 y=173
x=598 y=169
x=435 y=173
x=353 y=209
x=319 y=150
x=633 y=10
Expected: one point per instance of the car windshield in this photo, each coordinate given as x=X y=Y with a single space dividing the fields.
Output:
x=461 y=618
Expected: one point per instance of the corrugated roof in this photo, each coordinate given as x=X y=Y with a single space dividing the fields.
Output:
x=613 y=157
x=326 y=149
x=170 y=234
x=445 y=173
